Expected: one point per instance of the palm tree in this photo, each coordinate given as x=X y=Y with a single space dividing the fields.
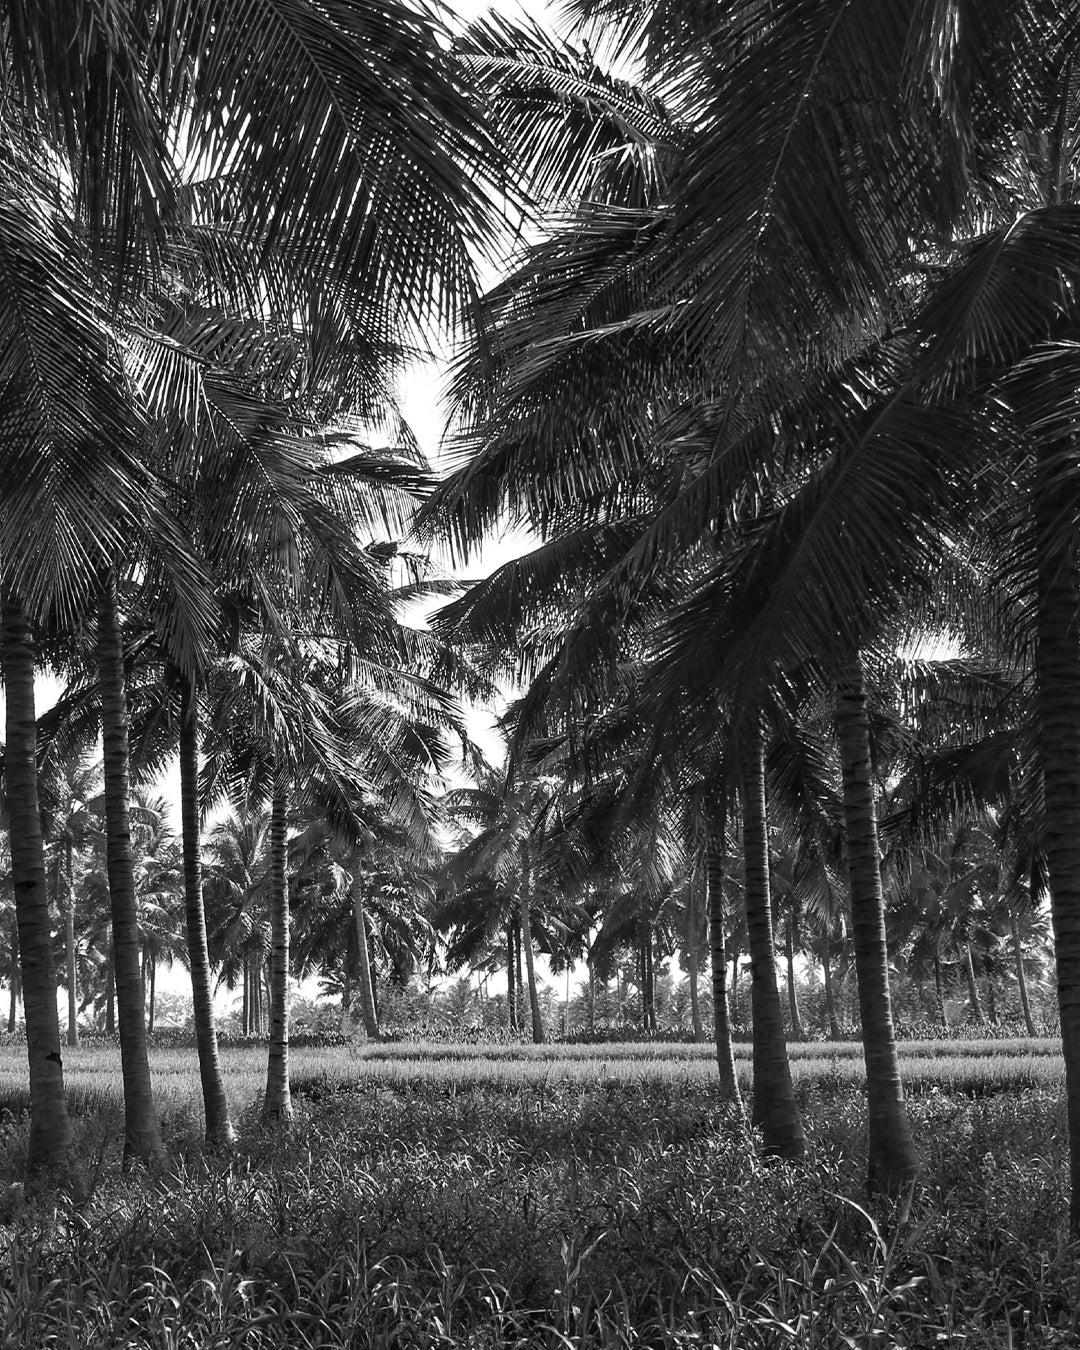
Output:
x=70 y=795
x=512 y=819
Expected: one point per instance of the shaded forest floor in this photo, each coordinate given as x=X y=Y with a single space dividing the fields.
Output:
x=538 y=1206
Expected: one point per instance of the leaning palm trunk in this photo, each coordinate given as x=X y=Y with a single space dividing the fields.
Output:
x=725 y=1052
x=219 y=1131
x=142 y=1136
x=367 y=993
x=1057 y=673
x=50 y=1127
x=774 y=1107
x=1021 y=976
x=278 y=1102
x=892 y=1163
x=525 y=913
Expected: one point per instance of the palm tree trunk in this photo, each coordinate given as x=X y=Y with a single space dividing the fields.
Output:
x=733 y=954
x=524 y=912
x=725 y=1051
x=69 y=950
x=511 y=987
x=219 y=1132
x=830 y=1005
x=792 y=992
x=278 y=1101
x=1057 y=674
x=142 y=1136
x=774 y=1107
x=892 y=1163
x=692 y=960
x=974 y=1002
x=367 y=998
x=245 y=1017
x=150 y=999
x=1021 y=976
x=50 y=1126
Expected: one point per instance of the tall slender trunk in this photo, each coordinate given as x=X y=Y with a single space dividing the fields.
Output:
x=725 y=1051
x=142 y=1136
x=648 y=984
x=245 y=981
x=525 y=914
x=367 y=997
x=792 y=991
x=892 y=1163
x=150 y=997
x=774 y=1108
x=830 y=1004
x=69 y=948
x=219 y=1132
x=519 y=971
x=278 y=1101
x=511 y=986
x=733 y=955
x=50 y=1126
x=1021 y=976
x=692 y=963
x=975 y=1007
x=1057 y=676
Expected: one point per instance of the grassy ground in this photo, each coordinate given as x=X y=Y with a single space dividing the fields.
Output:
x=456 y=1196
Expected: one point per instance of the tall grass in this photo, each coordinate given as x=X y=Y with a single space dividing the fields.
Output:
x=541 y=1207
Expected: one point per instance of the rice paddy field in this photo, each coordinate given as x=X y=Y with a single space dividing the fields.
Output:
x=484 y=1196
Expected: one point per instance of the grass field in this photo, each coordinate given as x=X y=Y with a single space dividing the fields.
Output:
x=973 y=1067
x=583 y=1197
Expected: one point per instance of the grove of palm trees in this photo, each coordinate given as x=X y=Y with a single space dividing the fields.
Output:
x=730 y=993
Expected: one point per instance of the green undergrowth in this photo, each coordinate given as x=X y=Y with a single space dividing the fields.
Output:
x=632 y=1212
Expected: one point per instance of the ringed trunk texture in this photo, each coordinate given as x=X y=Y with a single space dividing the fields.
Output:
x=892 y=1163
x=725 y=1052
x=142 y=1136
x=1021 y=976
x=774 y=1109
x=367 y=997
x=1057 y=674
x=220 y=1134
x=50 y=1126
x=278 y=1102
x=524 y=910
